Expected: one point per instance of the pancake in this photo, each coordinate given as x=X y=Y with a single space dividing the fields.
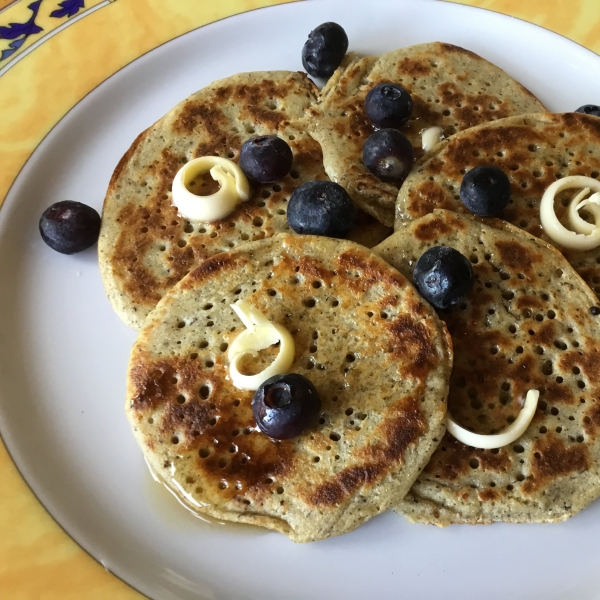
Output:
x=378 y=355
x=525 y=325
x=144 y=246
x=533 y=150
x=451 y=88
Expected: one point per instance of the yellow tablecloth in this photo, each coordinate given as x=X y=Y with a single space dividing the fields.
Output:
x=37 y=559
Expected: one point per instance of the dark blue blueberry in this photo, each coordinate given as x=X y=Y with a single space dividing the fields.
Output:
x=285 y=405
x=266 y=159
x=324 y=50
x=485 y=191
x=321 y=208
x=388 y=105
x=589 y=109
x=443 y=276
x=389 y=155
x=69 y=227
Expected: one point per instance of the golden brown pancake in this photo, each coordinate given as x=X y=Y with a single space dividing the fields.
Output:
x=145 y=247
x=525 y=325
x=533 y=150
x=376 y=352
x=451 y=88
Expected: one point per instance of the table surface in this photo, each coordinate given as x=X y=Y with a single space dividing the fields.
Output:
x=37 y=558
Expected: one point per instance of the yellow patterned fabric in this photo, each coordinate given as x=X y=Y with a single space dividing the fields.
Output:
x=37 y=559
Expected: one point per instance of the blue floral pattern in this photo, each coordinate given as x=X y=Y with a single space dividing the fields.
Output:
x=68 y=8
x=19 y=32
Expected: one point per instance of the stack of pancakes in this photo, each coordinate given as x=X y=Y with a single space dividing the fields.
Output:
x=386 y=365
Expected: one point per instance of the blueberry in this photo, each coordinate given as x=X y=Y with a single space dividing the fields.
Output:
x=388 y=105
x=485 y=191
x=443 y=276
x=285 y=405
x=266 y=159
x=69 y=227
x=589 y=109
x=389 y=155
x=321 y=208
x=324 y=50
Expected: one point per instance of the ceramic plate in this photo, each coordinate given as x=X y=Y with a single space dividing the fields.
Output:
x=64 y=353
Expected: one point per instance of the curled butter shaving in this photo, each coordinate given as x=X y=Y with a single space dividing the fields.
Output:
x=586 y=236
x=259 y=334
x=510 y=434
x=234 y=188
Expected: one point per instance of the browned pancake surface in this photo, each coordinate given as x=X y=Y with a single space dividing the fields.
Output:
x=145 y=246
x=526 y=325
x=451 y=88
x=533 y=150
x=377 y=354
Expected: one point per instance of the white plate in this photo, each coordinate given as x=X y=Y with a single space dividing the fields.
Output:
x=63 y=353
